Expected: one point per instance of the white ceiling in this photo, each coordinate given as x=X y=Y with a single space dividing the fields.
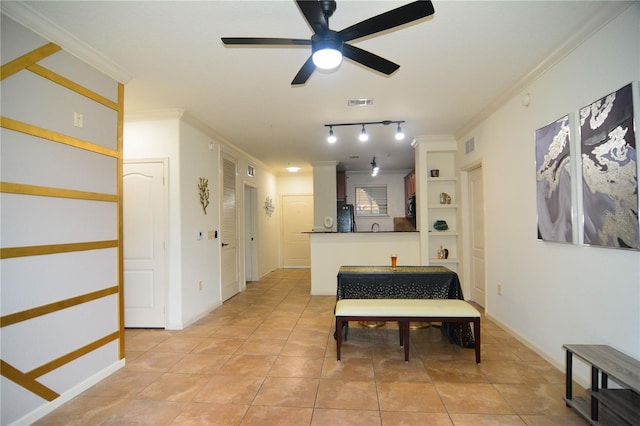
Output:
x=455 y=67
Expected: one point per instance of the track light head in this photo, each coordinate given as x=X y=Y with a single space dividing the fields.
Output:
x=332 y=137
x=399 y=133
x=363 y=135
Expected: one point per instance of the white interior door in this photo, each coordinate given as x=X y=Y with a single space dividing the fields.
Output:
x=476 y=208
x=297 y=218
x=229 y=234
x=144 y=227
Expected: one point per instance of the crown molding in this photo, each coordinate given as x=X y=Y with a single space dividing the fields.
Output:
x=36 y=22
x=436 y=142
x=609 y=11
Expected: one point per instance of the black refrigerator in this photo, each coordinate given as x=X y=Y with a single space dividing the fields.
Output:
x=346 y=220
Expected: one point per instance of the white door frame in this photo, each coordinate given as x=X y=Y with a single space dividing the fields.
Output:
x=239 y=272
x=466 y=227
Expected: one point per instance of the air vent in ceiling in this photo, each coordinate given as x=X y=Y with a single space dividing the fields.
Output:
x=360 y=102
x=470 y=146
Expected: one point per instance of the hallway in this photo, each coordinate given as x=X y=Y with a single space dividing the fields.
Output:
x=267 y=357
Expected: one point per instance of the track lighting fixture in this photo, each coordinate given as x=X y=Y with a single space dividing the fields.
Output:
x=364 y=136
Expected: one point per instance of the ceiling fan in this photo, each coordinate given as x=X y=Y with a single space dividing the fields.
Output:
x=329 y=45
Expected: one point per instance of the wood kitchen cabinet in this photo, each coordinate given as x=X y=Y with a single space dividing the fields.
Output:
x=341 y=187
x=410 y=184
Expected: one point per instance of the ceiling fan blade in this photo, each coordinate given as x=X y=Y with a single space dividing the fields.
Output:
x=312 y=11
x=393 y=18
x=266 y=41
x=369 y=59
x=304 y=73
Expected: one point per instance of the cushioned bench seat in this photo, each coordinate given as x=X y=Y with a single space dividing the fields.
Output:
x=404 y=311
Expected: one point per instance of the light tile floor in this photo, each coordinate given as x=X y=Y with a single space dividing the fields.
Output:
x=268 y=357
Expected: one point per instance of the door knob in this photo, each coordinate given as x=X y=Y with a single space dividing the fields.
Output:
x=224 y=244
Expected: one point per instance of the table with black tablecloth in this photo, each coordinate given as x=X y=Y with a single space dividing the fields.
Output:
x=405 y=282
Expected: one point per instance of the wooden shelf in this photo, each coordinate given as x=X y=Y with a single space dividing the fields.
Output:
x=583 y=406
x=612 y=406
x=435 y=260
x=442 y=179
x=443 y=206
x=446 y=182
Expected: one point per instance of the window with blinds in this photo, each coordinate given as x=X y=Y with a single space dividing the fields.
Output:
x=371 y=200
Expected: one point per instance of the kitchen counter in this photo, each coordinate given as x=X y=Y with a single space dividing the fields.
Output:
x=330 y=250
x=362 y=232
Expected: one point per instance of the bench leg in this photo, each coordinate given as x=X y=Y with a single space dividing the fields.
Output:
x=404 y=331
x=338 y=336
x=476 y=332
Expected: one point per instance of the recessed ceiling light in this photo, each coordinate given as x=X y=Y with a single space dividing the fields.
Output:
x=360 y=102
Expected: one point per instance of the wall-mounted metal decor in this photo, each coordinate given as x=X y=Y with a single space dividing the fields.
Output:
x=203 y=187
x=268 y=206
x=610 y=171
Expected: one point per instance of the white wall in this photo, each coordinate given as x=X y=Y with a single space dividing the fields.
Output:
x=324 y=194
x=556 y=293
x=199 y=258
x=154 y=136
x=176 y=136
x=394 y=180
x=60 y=235
x=268 y=236
x=294 y=184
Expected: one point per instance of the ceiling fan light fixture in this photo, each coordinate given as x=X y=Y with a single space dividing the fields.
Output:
x=364 y=136
x=332 y=137
x=327 y=50
x=399 y=133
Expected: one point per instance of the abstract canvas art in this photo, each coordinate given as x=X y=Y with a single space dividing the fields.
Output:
x=610 y=171
x=553 y=181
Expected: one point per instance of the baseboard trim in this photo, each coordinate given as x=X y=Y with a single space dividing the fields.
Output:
x=47 y=408
x=194 y=319
x=582 y=381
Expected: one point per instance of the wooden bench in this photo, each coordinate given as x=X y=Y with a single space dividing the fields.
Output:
x=405 y=311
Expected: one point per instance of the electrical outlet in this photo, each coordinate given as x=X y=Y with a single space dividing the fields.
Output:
x=499 y=289
x=78 y=120
x=200 y=285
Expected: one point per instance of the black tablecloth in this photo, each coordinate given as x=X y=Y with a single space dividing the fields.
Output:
x=406 y=282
